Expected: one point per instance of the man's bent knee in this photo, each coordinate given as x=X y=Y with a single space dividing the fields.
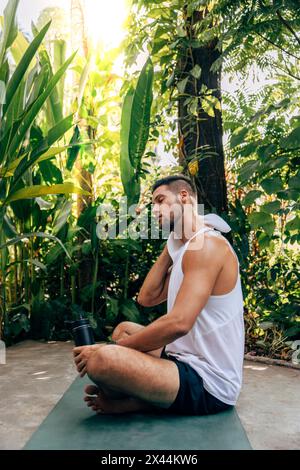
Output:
x=98 y=363
x=125 y=328
x=119 y=331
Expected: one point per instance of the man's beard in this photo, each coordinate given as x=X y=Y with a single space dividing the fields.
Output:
x=167 y=225
x=172 y=224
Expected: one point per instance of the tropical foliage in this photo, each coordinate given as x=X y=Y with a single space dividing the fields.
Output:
x=239 y=141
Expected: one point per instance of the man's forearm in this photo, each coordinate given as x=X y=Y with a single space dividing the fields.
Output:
x=154 y=281
x=159 y=333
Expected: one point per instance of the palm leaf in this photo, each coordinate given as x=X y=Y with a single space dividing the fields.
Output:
x=140 y=115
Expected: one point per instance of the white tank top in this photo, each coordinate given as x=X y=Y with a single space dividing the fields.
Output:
x=214 y=347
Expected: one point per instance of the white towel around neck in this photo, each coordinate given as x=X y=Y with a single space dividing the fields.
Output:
x=217 y=222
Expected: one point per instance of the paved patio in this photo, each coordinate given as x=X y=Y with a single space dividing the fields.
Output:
x=37 y=374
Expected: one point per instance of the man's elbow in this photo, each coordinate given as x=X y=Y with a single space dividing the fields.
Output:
x=181 y=329
x=144 y=300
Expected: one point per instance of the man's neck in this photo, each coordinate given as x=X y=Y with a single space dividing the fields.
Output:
x=190 y=228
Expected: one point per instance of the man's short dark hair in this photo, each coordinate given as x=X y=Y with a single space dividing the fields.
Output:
x=176 y=182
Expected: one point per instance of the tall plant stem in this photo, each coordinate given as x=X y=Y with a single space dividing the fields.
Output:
x=95 y=275
x=3 y=310
x=126 y=280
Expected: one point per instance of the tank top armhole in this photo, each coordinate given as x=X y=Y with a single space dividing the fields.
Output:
x=233 y=251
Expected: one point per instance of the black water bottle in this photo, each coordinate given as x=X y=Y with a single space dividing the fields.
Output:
x=81 y=331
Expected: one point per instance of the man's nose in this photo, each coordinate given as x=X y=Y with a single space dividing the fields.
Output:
x=155 y=210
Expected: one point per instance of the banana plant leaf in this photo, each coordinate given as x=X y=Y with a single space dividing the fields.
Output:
x=140 y=115
x=42 y=190
x=10 y=29
x=129 y=176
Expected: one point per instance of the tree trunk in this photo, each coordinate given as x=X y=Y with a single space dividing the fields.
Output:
x=201 y=134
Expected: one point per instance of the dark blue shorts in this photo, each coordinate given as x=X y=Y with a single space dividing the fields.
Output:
x=192 y=398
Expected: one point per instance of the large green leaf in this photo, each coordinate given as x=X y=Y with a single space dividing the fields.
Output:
x=22 y=237
x=51 y=173
x=4 y=75
x=251 y=197
x=13 y=112
x=54 y=134
x=37 y=81
x=248 y=169
x=74 y=149
x=55 y=102
x=9 y=228
x=294 y=181
x=45 y=156
x=19 y=47
x=263 y=220
x=61 y=216
x=272 y=185
x=36 y=107
x=10 y=29
x=23 y=65
x=196 y=71
x=130 y=311
x=238 y=137
x=59 y=130
x=40 y=190
x=271 y=207
x=60 y=47
x=112 y=309
x=83 y=80
x=293 y=224
x=140 y=115
x=292 y=141
x=129 y=178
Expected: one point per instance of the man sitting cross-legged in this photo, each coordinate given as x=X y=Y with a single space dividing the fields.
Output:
x=104 y=399
x=189 y=361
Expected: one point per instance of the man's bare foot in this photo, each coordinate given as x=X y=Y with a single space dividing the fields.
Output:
x=102 y=404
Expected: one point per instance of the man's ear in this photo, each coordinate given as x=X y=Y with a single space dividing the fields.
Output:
x=184 y=196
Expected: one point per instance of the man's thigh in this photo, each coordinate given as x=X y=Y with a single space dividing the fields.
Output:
x=135 y=373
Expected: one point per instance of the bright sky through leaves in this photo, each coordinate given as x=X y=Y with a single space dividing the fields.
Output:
x=104 y=19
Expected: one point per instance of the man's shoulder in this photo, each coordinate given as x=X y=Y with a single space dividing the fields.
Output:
x=206 y=249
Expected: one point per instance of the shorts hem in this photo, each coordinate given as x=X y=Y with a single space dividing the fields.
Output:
x=192 y=397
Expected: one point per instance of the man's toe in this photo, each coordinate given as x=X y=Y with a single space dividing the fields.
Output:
x=91 y=390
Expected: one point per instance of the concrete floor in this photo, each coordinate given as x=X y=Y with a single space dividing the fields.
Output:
x=37 y=374
x=269 y=406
